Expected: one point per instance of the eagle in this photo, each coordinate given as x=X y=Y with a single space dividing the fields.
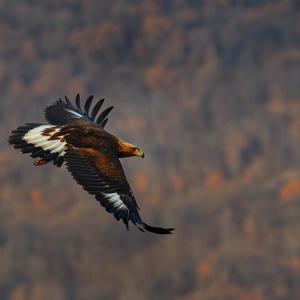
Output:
x=76 y=136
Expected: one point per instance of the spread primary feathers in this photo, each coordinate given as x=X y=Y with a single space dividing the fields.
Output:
x=77 y=137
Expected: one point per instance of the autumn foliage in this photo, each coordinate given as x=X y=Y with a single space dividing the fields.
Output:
x=210 y=91
x=290 y=190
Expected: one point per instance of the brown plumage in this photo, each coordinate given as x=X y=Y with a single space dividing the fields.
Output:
x=78 y=138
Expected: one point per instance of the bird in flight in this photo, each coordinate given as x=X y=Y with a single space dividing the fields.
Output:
x=76 y=136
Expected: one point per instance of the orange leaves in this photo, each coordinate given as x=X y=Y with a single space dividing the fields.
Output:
x=290 y=190
x=159 y=76
x=50 y=78
x=2 y=71
x=254 y=171
x=204 y=270
x=140 y=182
x=176 y=182
x=19 y=293
x=91 y=40
x=156 y=24
x=134 y=124
x=16 y=87
x=200 y=103
x=215 y=180
x=75 y=86
x=294 y=264
x=28 y=49
x=235 y=143
x=276 y=104
x=171 y=184
x=249 y=226
x=36 y=198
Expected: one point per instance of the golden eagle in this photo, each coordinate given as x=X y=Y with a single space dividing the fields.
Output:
x=76 y=135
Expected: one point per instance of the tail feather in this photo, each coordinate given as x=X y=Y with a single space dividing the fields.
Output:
x=157 y=230
x=136 y=219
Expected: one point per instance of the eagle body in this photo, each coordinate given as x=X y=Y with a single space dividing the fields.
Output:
x=77 y=137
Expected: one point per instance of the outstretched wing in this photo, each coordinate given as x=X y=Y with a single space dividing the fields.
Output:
x=102 y=175
x=45 y=143
x=63 y=112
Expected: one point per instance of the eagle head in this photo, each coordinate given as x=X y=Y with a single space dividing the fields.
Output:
x=127 y=150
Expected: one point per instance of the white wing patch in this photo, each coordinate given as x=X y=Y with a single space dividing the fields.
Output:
x=35 y=136
x=115 y=199
x=76 y=114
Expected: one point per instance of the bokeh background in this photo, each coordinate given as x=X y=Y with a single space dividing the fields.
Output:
x=211 y=92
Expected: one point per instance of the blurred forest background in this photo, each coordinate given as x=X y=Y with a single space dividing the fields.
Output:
x=210 y=90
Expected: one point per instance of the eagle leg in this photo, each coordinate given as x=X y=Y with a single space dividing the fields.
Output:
x=39 y=162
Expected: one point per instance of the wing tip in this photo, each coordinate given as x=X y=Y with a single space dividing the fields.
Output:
x=63 y=111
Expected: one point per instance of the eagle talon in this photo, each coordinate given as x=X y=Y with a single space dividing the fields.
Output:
x=39 y=162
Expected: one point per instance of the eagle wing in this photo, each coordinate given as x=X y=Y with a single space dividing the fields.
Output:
x=89 y=152
x=102 y=175
x=63 y=112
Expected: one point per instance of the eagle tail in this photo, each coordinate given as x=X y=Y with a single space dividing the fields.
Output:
x=157 y=230
x=36 y=139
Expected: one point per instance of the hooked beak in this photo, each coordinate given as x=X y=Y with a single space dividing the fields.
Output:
x=140 y=153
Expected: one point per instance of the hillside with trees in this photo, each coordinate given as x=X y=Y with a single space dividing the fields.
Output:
x=210 y=91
